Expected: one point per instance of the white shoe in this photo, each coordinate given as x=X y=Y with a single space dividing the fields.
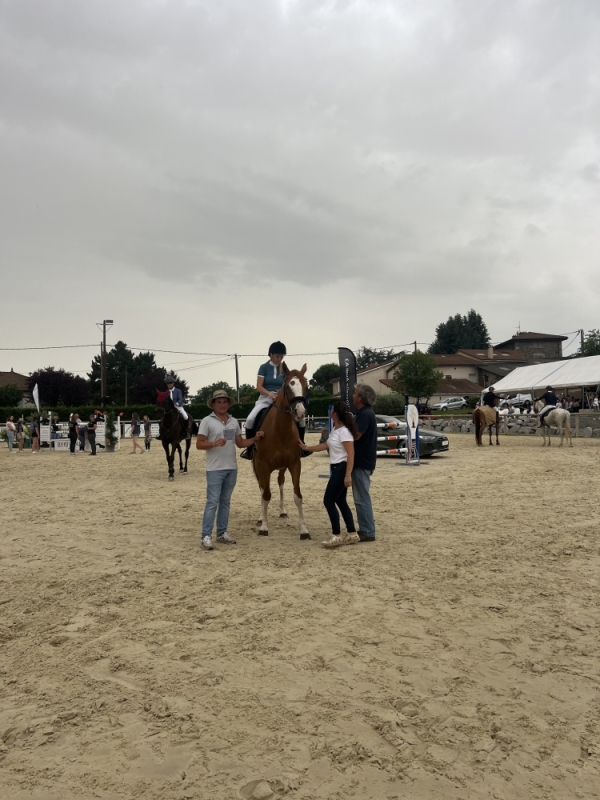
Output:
x=225 y=538
x=350 y=538
x=335 y=541
x=206 y=543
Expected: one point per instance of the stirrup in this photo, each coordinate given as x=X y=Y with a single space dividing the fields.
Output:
x=248 y=453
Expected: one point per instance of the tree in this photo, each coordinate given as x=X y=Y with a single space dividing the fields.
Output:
x=248 y=393
x=205 y=392
x=591 y=344
x=367 y=356
x=417 y=375
x=458 y=332
x=60 y=388
x=10 y=395
x=323 y=377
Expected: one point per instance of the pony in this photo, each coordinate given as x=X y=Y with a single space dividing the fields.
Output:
x=482 y=421
x=279 y=449
x=559 y=417
x=172 y=429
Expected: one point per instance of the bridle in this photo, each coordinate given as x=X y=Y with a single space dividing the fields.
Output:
x=165 y=413
x=291 y=401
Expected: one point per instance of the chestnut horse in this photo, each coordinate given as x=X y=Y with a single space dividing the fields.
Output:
x=279 y=449
x=172 y=429
x=481 y=422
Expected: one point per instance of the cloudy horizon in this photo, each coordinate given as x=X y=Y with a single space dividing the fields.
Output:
x=214 y=176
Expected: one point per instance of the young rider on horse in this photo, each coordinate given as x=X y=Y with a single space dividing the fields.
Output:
x=550 y=402
x=269 y=381
x=177 y=398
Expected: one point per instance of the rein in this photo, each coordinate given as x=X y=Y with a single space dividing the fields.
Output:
x=292 y=402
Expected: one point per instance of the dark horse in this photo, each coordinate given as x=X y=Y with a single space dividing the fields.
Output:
x=172 y=429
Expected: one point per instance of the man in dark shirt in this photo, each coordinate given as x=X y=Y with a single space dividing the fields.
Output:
x=550 y=401
x=365 y=460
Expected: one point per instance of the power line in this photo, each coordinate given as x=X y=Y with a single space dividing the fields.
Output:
x=51 y=347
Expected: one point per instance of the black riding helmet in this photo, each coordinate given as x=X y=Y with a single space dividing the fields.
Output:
x=277 y=348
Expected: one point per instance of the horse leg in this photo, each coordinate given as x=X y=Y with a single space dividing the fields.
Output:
x=178 y=446
x=281 y=481
x=497 y=432
x=263 y=476
x=187 y=454
x=169 y=459
x=295 y=470
x=490 y=432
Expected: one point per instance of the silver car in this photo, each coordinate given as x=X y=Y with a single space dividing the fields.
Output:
x=449 y=405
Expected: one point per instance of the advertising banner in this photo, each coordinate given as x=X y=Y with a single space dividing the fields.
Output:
x=411 y=413
x=347 y=376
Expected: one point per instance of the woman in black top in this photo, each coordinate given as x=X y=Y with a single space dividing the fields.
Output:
x=147 y=432
x=74 y=423
x=35 y=435
x=91 y=433
x=135 y=432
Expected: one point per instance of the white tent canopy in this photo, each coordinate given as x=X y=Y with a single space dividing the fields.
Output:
x=571 y=374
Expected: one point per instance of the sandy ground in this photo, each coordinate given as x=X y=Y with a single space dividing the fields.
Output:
x=455 y=658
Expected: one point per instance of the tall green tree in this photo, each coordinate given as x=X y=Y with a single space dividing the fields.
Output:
x=57 y=387
x=10 y=395
x=468 y=331
x=368 y=355
x=417 y=375
x=205 y=392
x=591 y=343
x=323 y=376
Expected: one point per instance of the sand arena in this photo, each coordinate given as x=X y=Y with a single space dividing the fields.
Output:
x=456 y=658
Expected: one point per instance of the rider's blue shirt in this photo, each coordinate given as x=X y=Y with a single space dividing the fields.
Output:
x=273 y=379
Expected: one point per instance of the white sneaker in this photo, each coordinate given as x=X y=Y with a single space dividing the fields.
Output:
x=225 y=538
x=350 y=538
x=335 y=541
x=206 y=543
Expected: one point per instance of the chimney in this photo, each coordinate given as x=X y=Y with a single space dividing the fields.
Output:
x=490 y=352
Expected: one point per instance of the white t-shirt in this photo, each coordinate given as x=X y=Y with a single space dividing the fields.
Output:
x=220 y=457
x=337 y=451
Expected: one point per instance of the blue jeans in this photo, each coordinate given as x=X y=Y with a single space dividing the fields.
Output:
x=361 y=484
x=220 y=484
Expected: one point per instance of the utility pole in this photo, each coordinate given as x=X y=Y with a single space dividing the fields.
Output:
x=582 y=341
x=125 y=386
x=415 y=346
x=237 y=377
x=103 y=324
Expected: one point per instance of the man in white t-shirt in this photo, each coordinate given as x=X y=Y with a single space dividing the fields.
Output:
x=219 y=435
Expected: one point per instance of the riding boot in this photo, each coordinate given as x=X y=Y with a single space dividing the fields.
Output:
x=248 y=453
x=188 y=428
x=302 y=434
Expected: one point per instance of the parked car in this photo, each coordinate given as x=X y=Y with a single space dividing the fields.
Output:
x=430 y=442
x=450 y=404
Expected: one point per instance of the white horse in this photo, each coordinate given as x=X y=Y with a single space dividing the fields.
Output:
x=559 y=417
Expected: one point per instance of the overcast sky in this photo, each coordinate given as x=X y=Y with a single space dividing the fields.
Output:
x=216 y=175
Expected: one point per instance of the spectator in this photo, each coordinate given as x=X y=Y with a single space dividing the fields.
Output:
x=341 y=462
x=147 y=432
x=10 y=433
x=365 y=460
x=21 y=433
x=74 y=423
x=575 y=406
x=91 y=433
x=217 y=435
x=135 y=433
x=55 y=429
x=595 y=403
x=82 y=434
x=35 y=435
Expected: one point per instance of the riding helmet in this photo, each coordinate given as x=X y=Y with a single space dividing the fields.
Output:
x=170 y=378
x=277 y=348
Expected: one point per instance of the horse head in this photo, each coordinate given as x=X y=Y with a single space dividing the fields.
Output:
x=295 y=390
x=163 y=402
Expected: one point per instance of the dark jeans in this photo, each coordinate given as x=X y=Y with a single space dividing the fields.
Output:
x=72 y=443
x=92 y=441
x=335 y=495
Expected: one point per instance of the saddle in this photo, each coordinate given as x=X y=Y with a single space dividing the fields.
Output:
x=260 y=417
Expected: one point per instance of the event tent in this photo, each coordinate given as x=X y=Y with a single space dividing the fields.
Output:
x=573 y=373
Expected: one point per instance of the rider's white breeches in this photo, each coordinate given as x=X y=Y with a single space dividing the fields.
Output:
x=262 y=402
x=182 y=411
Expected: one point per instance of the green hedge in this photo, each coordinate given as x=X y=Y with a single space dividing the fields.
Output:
x=317 y=408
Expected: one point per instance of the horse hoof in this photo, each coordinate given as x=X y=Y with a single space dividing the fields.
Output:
x=304 y=536
x=283 y=516
x=263 y=533
x=171 y=477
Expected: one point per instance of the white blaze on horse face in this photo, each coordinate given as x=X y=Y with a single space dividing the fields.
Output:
x=296 y=386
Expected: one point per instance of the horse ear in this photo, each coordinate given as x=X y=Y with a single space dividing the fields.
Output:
x=284 y=368
x=303 y=370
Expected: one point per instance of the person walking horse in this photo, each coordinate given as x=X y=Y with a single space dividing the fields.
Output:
x=550 y=401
